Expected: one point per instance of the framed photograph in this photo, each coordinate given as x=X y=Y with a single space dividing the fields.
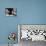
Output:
x=32 y=32
x=10 y=11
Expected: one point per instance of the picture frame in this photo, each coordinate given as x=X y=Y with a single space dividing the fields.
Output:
x=10 y=11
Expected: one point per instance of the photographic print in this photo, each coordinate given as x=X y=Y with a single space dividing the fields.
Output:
x=29 y=34
x=33 y=32
x=10 y=11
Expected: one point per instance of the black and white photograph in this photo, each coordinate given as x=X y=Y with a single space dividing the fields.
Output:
x=10 y=11
x=29 y=34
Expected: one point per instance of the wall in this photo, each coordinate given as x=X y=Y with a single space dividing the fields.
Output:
x=28 y=12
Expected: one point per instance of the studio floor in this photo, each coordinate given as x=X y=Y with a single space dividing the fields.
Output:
x=34 y=43
x=28 y=43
